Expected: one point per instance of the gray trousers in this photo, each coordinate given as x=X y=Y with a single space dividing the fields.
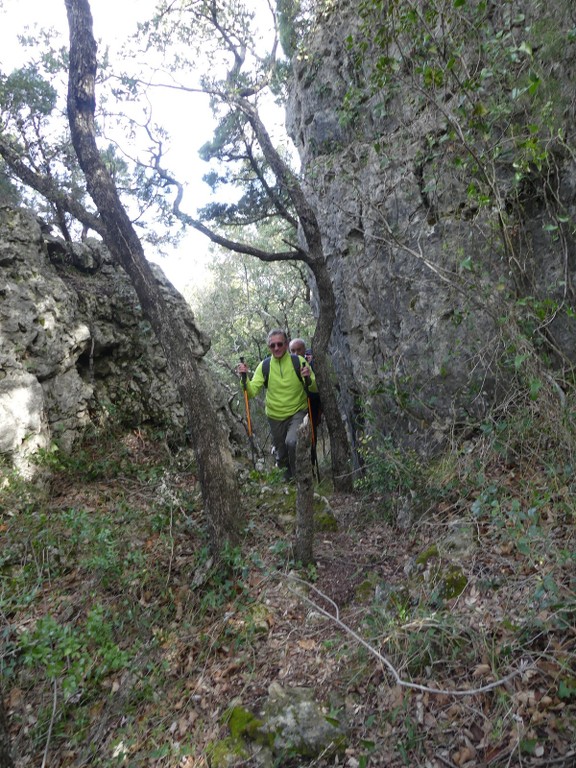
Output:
x=284 y=436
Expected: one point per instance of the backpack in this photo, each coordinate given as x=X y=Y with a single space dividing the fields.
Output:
x=313 y=397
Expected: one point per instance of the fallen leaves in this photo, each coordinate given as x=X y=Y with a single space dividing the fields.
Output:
x=266 y=634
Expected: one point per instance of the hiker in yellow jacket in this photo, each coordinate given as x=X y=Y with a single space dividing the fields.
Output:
x=286 y=398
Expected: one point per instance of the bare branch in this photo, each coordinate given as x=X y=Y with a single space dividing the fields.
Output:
x=522 y=668
x=294 y=255
x=45 y=186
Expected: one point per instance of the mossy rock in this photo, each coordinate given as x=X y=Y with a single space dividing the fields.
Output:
x=292 y=723
x=242 y=723
x=297 y=725
x=227 y=753
x=453 y=583
x=259 y=617
x=446 y=580
x=278 y=499
x=428 y=554
x=427 y=572
x=325 y=521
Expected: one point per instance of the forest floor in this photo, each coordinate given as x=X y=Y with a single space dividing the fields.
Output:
x=449 y=642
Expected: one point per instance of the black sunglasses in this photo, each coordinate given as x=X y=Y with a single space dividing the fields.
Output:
x=276 y=344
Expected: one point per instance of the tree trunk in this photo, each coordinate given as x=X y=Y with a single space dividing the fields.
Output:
x=5 y=755
x=339 y=440
x=180 y=341
x=304 y=539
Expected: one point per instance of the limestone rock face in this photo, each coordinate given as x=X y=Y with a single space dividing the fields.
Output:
x=420 y=267
x=74 y=346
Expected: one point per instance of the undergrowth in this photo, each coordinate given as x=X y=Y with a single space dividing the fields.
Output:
x=122 y=644
x=494 y=591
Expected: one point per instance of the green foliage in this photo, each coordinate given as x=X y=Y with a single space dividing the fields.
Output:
x=225 y=581
x=33 y=125
x=122 y=651
x=221 y=48
x=9 y=192
x=24 y=93
x=517 y=519
x=102 y=456
x=101 y=560
x=288 y=33
x=239 y=172
x=81 y=548
x=73 y=657
x=248 y=298
x=387 y=468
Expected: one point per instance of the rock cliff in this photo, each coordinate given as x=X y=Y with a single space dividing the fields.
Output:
x=436 y=143
x=75 y=349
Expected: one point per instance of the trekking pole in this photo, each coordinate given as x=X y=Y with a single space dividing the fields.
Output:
x=245 y=388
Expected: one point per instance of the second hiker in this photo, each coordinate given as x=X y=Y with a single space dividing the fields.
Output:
x=286 y=406
x=298 y=347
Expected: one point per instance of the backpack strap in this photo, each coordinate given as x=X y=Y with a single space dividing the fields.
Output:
x=266 y=368
x=296 y=364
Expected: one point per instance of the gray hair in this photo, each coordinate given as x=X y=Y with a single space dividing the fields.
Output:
x=298 y=342
x=277 y=332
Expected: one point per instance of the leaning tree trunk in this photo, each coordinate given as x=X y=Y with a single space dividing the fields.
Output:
x=178 y=340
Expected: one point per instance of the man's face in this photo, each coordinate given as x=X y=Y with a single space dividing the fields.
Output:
x=277 y=345
x=298 y=349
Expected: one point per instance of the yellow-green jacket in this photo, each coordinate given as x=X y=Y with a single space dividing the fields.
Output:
x=285 y=394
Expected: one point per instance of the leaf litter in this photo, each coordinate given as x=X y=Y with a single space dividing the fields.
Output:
x=133 y=546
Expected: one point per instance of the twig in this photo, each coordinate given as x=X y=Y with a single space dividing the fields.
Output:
x=562 y=760
x=52 y=718
x=318 y=592
x=171 y=545
x=524 y=664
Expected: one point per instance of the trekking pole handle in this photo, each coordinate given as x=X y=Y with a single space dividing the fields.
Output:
x=243 y=375
x=306 y=380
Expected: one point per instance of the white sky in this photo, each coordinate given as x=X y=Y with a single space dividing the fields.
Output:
x=114 y=20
